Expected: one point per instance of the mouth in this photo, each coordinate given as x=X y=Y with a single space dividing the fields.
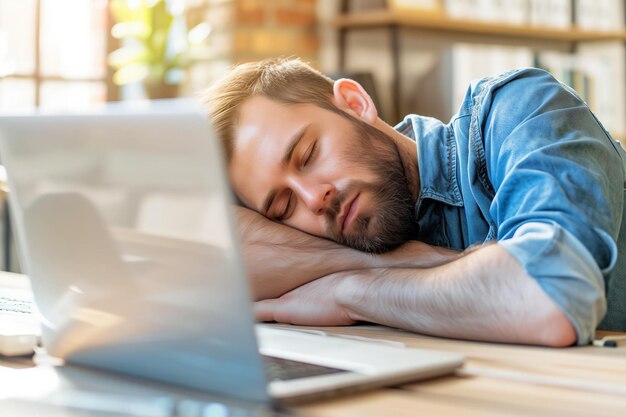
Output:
x=349 y=212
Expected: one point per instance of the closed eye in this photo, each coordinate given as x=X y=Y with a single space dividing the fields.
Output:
x=288 y=210
x=311 y=154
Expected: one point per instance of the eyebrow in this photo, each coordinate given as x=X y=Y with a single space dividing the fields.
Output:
x=293 y=144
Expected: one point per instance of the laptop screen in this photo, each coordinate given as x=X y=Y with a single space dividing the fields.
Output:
x=123 y=223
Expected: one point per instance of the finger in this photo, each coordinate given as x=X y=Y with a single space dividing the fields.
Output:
x=264 y=310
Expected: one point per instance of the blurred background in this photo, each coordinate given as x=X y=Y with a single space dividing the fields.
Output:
x=413 y=56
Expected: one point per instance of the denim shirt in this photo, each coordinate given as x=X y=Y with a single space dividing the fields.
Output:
x=526 y=163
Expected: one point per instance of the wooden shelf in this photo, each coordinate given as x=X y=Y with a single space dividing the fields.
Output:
x=443 y=24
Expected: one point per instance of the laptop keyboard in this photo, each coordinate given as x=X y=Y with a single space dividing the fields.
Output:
x=15 y=305
x=278 y=369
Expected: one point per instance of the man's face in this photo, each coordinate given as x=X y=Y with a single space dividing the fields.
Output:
x=323 y=173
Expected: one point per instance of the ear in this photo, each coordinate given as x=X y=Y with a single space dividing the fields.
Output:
x=350 y=96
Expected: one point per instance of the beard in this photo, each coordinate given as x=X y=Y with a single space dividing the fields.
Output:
x=393 y=220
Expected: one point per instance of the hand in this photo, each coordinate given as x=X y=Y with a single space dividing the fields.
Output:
x=312 y=304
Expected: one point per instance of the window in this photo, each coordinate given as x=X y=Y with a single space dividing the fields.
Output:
x=53 y=54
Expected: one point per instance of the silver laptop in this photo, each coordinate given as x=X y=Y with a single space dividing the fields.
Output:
x=124 y=225
x=19 y=326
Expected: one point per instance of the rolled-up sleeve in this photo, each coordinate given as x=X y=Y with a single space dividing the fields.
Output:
x=565 y=270
x=558 y=199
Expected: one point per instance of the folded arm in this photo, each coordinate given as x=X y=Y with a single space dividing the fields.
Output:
x=485 y=295
x=280 y=258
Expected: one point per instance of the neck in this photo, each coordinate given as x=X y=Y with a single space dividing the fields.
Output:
x=408 y=155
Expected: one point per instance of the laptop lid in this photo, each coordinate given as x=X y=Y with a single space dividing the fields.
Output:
x=123 y=224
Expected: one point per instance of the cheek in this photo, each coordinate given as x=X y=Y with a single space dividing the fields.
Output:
x=306 y=221
x=347 y=166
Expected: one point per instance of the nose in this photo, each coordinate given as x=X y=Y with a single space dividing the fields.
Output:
x=317 y=197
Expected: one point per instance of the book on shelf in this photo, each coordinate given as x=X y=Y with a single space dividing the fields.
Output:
x=513 y=12
x=540 y=13
x=611 y=94
x=590 y=15
x=441 y=89
x=556 y=14
x=597 y=72
x=599 y=15
x=469 y=62
x=460 y=9
x=571 y=70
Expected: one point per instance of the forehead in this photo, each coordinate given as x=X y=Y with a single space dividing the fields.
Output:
x=261 y=136
x=265 y=124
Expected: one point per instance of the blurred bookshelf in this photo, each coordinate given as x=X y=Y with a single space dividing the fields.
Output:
x=581 y=42
x=441 y=23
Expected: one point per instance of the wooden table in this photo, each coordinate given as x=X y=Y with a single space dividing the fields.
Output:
x=497 y=380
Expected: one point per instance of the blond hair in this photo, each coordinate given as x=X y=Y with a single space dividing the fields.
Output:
x=286 y=80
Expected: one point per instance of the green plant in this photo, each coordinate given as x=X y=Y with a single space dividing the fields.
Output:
x=149 y=52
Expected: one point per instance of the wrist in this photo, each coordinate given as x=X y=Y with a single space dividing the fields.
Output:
x=351 y=289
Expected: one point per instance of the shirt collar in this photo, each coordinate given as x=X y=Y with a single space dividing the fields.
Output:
x=436 y=159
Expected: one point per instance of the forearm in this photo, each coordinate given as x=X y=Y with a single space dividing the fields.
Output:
x=485 y=295
x=280 y=258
